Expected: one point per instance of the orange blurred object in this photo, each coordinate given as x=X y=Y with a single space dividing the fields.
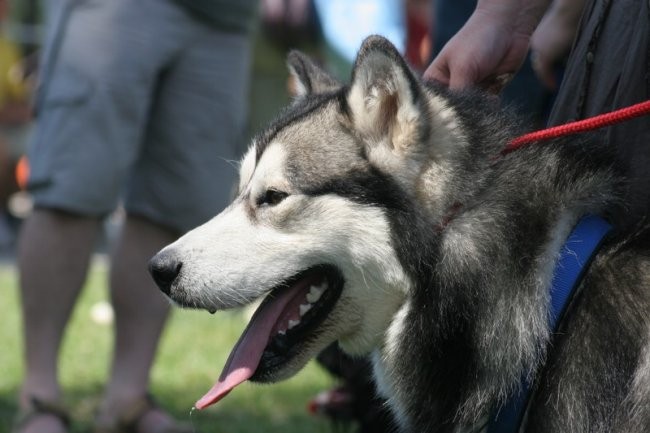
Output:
x=22 y=172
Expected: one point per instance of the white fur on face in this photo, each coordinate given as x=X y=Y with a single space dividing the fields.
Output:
x=247 y=167
x=247 y=250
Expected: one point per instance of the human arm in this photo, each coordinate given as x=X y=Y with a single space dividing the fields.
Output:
x=490 y=47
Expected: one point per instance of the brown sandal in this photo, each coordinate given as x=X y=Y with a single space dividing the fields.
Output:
x=40 y=407
x=128 y=421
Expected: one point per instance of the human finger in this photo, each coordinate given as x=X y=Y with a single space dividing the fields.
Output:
x=437 y=71
x=543 y=69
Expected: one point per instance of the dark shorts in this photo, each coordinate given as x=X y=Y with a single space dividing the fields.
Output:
x=142 y=103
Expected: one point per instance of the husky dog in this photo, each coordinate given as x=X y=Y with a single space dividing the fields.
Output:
x=379 y=214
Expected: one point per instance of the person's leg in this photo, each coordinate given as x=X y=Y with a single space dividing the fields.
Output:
x=180 y=180
x=53 y=256
x=91 y=118
x=140 y=313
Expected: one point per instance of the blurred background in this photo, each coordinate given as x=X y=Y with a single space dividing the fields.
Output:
x=194 y=345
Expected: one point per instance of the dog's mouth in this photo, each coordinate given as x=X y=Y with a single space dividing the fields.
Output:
x=288 y=318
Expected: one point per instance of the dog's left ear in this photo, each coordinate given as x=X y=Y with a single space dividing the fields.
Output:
x=385 y=99
x=309 y=77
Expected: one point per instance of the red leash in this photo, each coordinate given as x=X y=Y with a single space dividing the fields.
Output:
x=600 y=121
x=589 y=124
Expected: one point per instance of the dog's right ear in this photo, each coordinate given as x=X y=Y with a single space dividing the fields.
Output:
x=385 y=99
x=308 y=76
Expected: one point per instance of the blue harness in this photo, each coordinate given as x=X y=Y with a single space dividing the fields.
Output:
x=576 y=255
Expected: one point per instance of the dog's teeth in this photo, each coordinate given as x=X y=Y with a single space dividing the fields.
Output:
x=283 y=332
x=312 y=297
x=293 y=323
x=304 y=308
x=315 y=293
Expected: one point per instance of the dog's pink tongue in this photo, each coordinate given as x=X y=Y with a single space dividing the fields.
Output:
x=246 y=355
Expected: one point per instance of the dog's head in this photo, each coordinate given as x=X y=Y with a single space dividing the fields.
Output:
x=319 y=225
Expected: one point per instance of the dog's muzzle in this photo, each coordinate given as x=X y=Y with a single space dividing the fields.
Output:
x=164 y=269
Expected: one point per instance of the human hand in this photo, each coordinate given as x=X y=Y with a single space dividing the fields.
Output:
x=490 y=47
x=552 y=39
x=293 y=13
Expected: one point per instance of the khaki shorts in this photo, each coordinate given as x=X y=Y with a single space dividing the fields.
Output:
x=142 y=103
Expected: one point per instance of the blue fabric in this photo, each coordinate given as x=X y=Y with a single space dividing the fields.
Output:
x=574 y=260
x=576 y=254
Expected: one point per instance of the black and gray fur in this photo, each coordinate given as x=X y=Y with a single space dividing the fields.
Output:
x=477 y=235
x=477 y=322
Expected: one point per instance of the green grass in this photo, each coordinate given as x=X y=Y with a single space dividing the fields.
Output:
x=193 y=350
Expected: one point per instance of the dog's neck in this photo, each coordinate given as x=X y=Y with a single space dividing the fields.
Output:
x=481 y=321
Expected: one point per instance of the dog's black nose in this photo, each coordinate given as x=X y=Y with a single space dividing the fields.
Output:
x=164 y=269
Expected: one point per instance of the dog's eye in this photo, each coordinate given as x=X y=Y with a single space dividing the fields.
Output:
x=271 y=197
